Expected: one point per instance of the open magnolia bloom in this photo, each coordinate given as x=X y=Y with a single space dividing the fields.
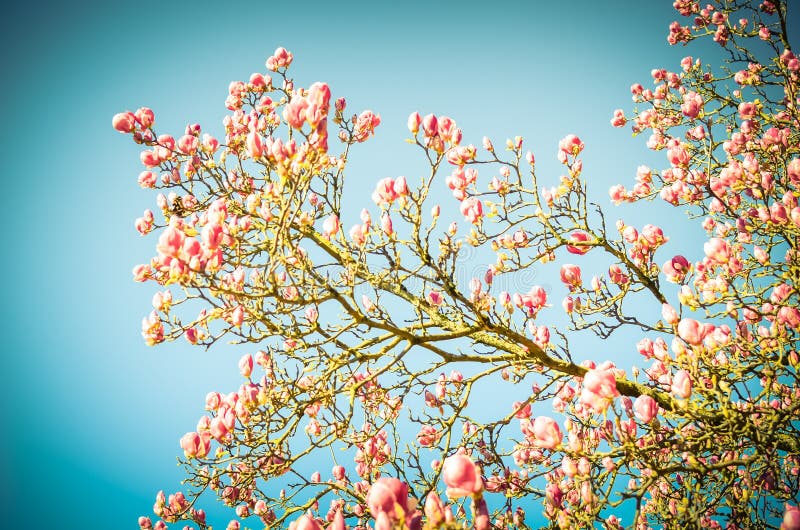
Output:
x=375 y=357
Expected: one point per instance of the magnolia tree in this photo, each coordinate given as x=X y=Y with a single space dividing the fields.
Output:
x=373 y=357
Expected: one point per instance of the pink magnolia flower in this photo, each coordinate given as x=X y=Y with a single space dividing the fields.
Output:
x=383 y=522
x=789 y=316
x=400 y=186
x=472 y=210
x=365 y=125
x=319 y=97
x=791 y=518
x=435 y=511
x=430 y=125
x=617 y=276
x=533 y=301
x=619 y=119
x=237 y=89
x=237 y=316
x=145 y=117
x=295 y=112
x=653 y=236
x=338 y=472
x=428 y=436
x=568 y=304
x=793 y=171
x=152 y=329
x=435 y=298
x=569 y=467
x=386 y=225
x=682 y=384
x=212 y=236
x=388 y=496
x=578 y=237
x=331 y=226
x=246 y=365
x=144 y=224
x=669 y=314
x=414 y=121
x=196 y=445
x=213 y=400
x=775 y=139
x=311 y=314
x=645 y=408
x=385 y=192
x=599 y=389
x=188 y=143
x=259 y=81
x=368 y=304
x=305 y=522
x=547 y=433
x=255 y=146
x=218 y=428
x=676 y=268
x=461 y=476
x=617 y=193
x=191 y=335
x=124 y=122
x=571 y=276
x=747 y=110
x=460 y=155
x=553 y=495
x=210 y=144
x=530 y=158
x=645 y=347
x=601 y=381
x=584 y=466
x=446 y=127
x=338 y=521
x=537 y=296
x=570 y=145
x=504 y=298
x=542 y=336
x=149 y=158
x=678 y=156
x=692 y=104
x=717 y=249
x=357 y=234
x=521 y=410
x=280 y=59
x=147 y=179
x=691 y=331
x=459 y=180
x=627 y=429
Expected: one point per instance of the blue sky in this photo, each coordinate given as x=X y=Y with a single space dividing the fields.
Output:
x=91 y=415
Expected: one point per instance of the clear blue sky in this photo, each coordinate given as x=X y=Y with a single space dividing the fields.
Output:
x=91 y=416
